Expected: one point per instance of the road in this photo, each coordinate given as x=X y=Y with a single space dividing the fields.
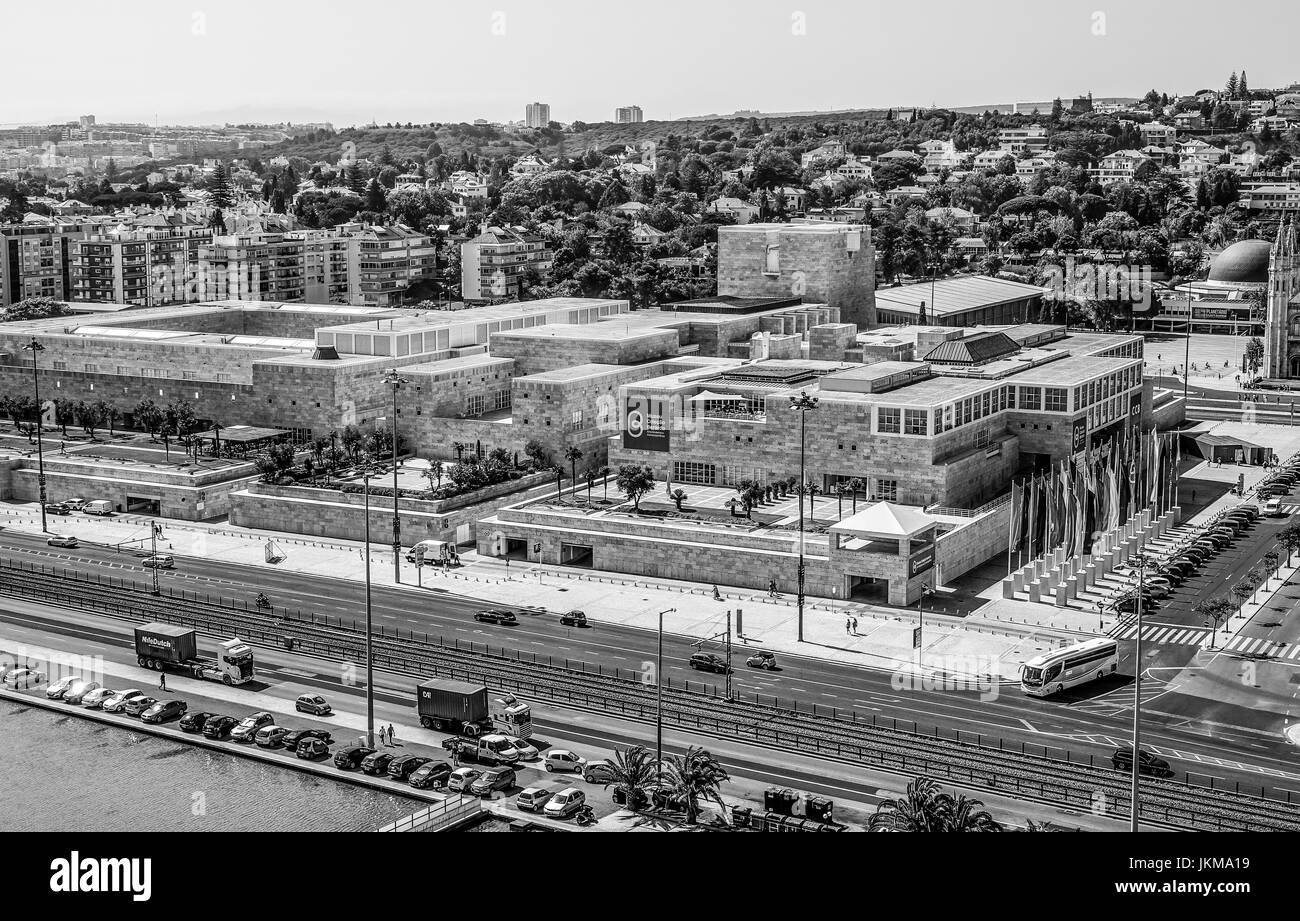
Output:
x=1090 y=724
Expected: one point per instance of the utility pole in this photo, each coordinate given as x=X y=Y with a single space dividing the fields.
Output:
x=367 y=472
x=1141 y=563
x=154 y=528
x=802 y=404
x=395 y=380
x=659 y=701
x=1187 y=347
x=36 y=348
x=728 y=654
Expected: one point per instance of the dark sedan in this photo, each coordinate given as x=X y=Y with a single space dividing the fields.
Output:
x=351 y=757
x=404 y=766
x=218 y=727
x=496 y=617
x=164 y=711
x=376 y=764
x=294 y=737
x=194 y=722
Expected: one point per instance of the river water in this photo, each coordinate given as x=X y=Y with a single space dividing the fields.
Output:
x=63 y=773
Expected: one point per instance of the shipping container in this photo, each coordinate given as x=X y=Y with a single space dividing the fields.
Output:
x=166 y=642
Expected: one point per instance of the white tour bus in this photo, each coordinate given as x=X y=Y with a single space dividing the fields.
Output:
x=1064 y=668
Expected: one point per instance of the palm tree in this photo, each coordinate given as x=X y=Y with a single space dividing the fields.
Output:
x=573 y=455
x=924 y=808
x=696 y=776
x=811 y=489
x=633 y=770
x=841 y=490
x=604 y=473
x=590 y=477
x=459 y=448
x=679 y=496
x=559 y=476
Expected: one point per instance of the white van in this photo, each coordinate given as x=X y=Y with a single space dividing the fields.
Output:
x=98 y=507
x=435 y=551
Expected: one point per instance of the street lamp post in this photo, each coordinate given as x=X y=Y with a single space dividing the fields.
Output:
x=659 y=700
x=395 y=380
x=1141 y=562
x=36 y=348
x=802 y=404
x=367 y=471
x=154 y=528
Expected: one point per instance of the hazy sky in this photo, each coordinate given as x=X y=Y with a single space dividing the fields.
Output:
x=349 y=61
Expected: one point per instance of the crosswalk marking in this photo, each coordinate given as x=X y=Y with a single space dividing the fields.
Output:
x=1196 y=636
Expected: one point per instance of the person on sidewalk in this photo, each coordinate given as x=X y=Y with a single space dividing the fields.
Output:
x=855 y=626
x=390 y=733
x=716 y=595
x=771 y=588
x=848 y=625
x=162 y=682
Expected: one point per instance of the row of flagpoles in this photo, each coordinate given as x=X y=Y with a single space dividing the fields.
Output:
x=1092 y=493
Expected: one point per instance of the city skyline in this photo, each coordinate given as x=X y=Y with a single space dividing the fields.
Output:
x=508 y=54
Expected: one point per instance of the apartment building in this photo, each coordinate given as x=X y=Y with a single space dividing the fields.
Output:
x=145 y=267
x=494 y=263
x=1278 y=198
x=383 y=262
x=939 y=155
x=34 y=258
x=1158 y=134
x=1118 y=166
x=537 y=115
x=1022 y=140
x=628 y=115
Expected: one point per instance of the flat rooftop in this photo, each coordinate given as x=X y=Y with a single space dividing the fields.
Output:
x=946 y=296
x=1070 y=371
x=605 y=332
x=589 y=371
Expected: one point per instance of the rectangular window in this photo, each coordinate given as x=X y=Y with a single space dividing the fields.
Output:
x=732 y=474
x=886 y=490
x=1055 y=400
x=474 y=405
x=889 y=421
x=1030 y=398
x=501 y=399
x=984 y=404
x=692 y=472
x=966 y=412
x=914 y=422
x=1011 y=398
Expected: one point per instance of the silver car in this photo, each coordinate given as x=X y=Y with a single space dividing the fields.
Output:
x=77 y=693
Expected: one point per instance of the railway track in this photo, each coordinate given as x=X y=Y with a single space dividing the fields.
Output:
x=972 y=760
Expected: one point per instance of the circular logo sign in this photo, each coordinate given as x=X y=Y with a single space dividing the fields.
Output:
x=635 y=423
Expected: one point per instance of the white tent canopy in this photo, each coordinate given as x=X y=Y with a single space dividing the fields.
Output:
x=886 y=521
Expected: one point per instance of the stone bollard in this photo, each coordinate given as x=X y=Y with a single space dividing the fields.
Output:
x=1072 y=589
x=1008 y=588
x=1035 y=592
x=1061 y=600
x=1090 y=575
x=1018 y=581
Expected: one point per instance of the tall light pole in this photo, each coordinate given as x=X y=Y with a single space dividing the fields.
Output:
x=368 y=471
x=36 y=348
x=154 y=528
x=395 y=380
x=1141 y=562
x=802 y=404
x=659 y=700
x=1187 y=346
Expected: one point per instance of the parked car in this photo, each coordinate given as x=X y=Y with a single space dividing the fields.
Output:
x=533 y=799
x=709 y=662
x=1158 y=587
x=57 y=508
x=62 y=540
x=765 y=660
x=271 y=736
x=350 y=758
x=246 y=731
x=1172 y=574
x=218 y=727
x=1249 y=509
x=76 y=504
x=165 y=710
x=77 y=693
x=573 y=619
x=295 y=736
x=313 y=704
x=312 y=749
x=95 y=699
x=1273 y=508
x=58 y=688
x=487 y=783
x=195 y=722
x=403 y=766
x=98 y=507
x=430 y=774
x=376 y=763
x=22 y=679
x=138 y=705
x=563 y=761
x=158 y=561
x=1147 y=763
x=1129 y=603
x=461 y=778
x=565 y=803
x=496 y=617
x=599 y=771
x=527 y=751
x=119 y=700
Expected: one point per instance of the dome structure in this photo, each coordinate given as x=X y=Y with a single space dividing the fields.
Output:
x=1243 y=263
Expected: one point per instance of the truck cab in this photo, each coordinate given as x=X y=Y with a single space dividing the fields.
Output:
x=235 y=662
x=513 y=717
x=490 y=749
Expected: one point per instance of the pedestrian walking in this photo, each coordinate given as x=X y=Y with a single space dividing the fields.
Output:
x=855 y=626
x=848 y=625
x=162 y=682
x=390 y=733
x=1193 y=497
x=771 y=588
x=455 y=753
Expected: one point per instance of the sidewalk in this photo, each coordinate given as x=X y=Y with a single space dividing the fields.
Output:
x=975 y=644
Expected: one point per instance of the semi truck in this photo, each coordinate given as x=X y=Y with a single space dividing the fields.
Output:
x=462 y=707
x=166 y=647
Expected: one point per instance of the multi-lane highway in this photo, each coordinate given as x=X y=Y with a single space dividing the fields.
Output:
x=1088 y=724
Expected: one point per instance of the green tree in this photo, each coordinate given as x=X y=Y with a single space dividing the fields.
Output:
x=679 y=496
x=694 y=777
x=147 y=417
x=1289 y=540
x=633 y=769
x=90 y=416
x=218 y=187
x=573 y=455
x=1254 y=355
x=34 y=308
x=375 y=198
x=65 y=413
x=925 y=808
x=634 y=482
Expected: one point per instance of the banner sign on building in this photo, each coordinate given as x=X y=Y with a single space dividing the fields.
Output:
x=1079 y=441
x=922 y=561
x=644 y=425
